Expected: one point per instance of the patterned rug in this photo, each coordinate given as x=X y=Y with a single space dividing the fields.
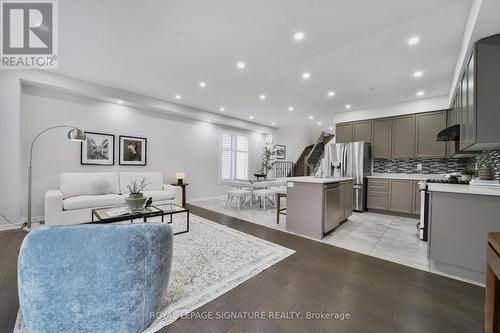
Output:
x=209 y=260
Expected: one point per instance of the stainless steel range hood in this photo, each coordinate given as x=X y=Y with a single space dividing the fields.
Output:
x=451 y=133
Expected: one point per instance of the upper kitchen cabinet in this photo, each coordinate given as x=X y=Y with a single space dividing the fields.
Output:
x=480 y=100
x=382 y=138
x=403 y=136
x=428 y=125
x=344 y=133
x=362 y=131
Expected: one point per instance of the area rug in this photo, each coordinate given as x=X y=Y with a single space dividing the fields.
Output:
x=208 y=261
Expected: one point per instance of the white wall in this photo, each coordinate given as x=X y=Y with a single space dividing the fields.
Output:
x=421 y=105
x=174 y=144
x=296 y=138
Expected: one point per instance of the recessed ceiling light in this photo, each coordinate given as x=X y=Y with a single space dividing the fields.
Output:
x=348 y=106
x=290 y=108
x=178 y=97
x=262 y=97
x=222 y=109
x=418 y=74
x=413 y=40
x=331 y=93
x=319 y=123
x=330 y=128
x=273 y=123
x=311 y=117
x=306 y=75
x=299 y=35
x=119 y=101
x=420 y=93
x=241 y=65
x=251 y=117
x=202 y=84
x=209 y=121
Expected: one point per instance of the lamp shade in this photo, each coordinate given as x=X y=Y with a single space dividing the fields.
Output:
x=180 y=175
x=77 y=134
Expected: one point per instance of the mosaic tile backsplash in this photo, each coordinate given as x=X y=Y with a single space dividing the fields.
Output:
x=429 y=165
x=433 y=165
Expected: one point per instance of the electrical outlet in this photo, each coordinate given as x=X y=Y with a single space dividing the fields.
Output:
x=419 y=166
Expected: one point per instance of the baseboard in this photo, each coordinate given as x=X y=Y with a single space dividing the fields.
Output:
x=35 y=221
x=10 y=226
x=388 y=212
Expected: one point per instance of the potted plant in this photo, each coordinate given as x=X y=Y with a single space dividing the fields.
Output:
x=485 y=166
x=267 y=159
x=466 y=174
x=136 y=199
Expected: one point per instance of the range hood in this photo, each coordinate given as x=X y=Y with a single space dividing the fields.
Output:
x=451 y=133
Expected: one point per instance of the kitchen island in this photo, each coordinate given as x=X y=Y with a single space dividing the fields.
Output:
x=316 y=206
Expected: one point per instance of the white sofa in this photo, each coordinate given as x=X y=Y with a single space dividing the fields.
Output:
x=80 y=192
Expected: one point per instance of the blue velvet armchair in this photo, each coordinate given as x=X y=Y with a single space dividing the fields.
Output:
x=94 y=278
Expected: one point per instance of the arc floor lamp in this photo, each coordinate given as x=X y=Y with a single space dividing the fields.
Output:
x=75 y=134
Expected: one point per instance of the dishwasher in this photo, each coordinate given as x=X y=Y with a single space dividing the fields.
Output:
x=331 y=207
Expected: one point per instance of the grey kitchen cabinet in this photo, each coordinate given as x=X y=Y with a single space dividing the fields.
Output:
x=428 y=125
x=401 y=196
x=347 y=204
x=463 y=112
x=452 y=119
x=343 y=133
x=416 y=197
x=382 y=138
x=471 y=117
x=362 y=131
x=403 y=136
x=378 y=194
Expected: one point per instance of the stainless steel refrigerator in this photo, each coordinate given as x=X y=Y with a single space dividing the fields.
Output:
x=352 y=160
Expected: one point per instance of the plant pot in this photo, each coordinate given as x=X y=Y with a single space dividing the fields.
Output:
x=135 y=201
x=486 y=173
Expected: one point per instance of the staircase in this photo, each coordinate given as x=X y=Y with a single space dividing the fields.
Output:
x=309 y=161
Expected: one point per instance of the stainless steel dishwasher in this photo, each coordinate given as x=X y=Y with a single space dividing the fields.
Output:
x=331 y=207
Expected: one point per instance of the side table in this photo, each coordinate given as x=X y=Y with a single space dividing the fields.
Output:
x=183 y=185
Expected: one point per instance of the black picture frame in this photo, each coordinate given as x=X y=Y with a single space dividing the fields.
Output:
x=84 y=145
x=123 y=160
x=280 y=152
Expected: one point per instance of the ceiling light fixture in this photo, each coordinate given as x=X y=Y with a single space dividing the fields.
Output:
x=306 y=75
x=330 y=128
x=178 y=97
x=262 y=97
x=241 y=65
x=418 y=74
x=299 y=35
x=348 y=106
x=273 y=123
x=331 y=93
x=311 y=117
x=202 y=84
x=222 y=109
x=420 y=93
x=251 y=117
x=319 y=123
x=290 y=108
x=413 y=40
x=119 y=101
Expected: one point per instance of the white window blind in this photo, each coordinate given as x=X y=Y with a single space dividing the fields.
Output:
x=233 y=157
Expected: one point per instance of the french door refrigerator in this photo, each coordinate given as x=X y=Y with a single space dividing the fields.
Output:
x=352 y=160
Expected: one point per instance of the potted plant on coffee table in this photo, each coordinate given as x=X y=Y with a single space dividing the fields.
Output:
x=136 y=199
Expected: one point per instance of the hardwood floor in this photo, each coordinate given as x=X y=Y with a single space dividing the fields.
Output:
x=380 y=296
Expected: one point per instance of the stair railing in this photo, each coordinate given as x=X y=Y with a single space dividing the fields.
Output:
x=283 y=169
x=307 y=164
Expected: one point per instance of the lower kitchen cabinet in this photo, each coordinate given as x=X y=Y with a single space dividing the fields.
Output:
x=401 y=196
x=394 y=195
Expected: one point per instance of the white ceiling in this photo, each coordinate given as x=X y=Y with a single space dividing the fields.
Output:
x=358 y=48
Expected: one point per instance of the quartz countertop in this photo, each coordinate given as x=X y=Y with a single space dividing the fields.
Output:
x=315 y=180
x=409 y=176
x=463 y=189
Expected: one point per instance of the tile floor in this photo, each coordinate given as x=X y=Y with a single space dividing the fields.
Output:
x=383 y=236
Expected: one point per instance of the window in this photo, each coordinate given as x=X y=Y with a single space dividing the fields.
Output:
x=233 y=157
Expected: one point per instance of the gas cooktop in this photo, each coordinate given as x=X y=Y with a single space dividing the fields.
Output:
x=448 y=181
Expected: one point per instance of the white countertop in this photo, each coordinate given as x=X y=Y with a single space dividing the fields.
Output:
x=409 y=176
x=314 y=180
x=463 y=189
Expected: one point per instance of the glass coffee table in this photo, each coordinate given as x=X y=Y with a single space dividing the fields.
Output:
x=122 y=213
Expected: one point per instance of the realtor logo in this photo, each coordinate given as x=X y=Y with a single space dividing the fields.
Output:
x=29 y=34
